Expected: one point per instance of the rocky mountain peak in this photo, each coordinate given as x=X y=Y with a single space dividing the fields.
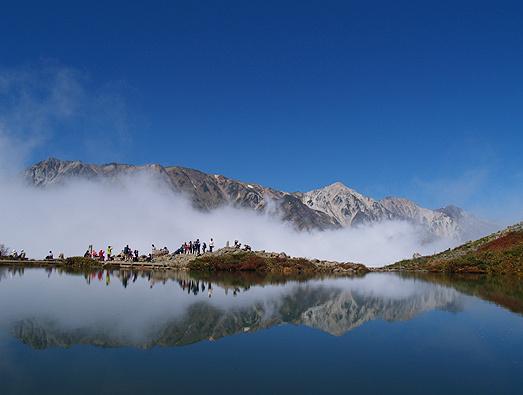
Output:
x=344 y=204
x=336 y=188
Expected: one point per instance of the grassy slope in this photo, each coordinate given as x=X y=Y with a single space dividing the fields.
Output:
x=499 y=253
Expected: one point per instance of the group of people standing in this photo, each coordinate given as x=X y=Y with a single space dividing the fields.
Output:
x=192 y=247
x=195 y=247
x=128 y=254
x=99 y=255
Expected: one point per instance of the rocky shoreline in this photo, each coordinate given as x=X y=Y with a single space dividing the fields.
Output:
x=223 y=260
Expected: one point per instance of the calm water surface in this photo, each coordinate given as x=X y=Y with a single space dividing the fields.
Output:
x=124 y=332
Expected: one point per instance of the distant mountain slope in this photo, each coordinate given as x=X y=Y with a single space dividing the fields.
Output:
x=331 y=207
x=498 y=253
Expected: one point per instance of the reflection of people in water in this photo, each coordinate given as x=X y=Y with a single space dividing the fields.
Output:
x=18 y=270
x=195 y=287
x=125 y=278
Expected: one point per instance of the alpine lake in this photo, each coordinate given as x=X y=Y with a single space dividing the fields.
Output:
x=125 y=332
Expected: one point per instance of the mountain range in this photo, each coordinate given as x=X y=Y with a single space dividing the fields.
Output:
x=331 y=207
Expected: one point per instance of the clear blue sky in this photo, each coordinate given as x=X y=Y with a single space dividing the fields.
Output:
x=418 y=99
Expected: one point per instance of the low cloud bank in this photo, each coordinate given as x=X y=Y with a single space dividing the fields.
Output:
x=140 y=211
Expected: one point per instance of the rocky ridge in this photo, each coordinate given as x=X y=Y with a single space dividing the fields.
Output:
x=331 y=207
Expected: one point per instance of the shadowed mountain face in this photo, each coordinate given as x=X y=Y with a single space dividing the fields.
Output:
x=332 y=306
x=331 y=207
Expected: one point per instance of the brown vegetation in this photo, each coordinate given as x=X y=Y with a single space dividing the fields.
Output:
x=82 y=261
x=500 y=253
x=269 y=263
x=505 y=242
x=249 y=261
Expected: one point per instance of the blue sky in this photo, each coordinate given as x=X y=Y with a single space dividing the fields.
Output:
x=416 y=99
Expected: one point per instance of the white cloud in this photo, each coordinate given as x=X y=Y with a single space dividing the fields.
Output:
x=138 y=211
x=48 y=102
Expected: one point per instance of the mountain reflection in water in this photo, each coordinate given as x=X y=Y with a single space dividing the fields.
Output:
x=117 y=332
x=147 y=309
